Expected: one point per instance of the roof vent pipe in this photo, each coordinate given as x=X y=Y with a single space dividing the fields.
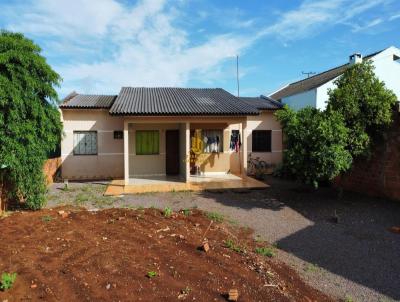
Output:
x=355 y=58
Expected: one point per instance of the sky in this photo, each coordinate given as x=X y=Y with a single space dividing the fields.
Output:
x=99 y=46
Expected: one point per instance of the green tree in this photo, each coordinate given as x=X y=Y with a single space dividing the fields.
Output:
x=365 y=103
x=315 y=144
x=30 y=125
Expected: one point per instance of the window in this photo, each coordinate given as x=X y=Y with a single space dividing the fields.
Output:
x=118 y=134
x=212 y=141
x=261 y=141
x=85 y=143
x=147 y=142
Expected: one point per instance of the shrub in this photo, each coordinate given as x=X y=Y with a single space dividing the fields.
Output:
x=167 y=212
x=30 y=125
x=7 y=280
x=214 y=216
x=365 y=104
x=315 y=145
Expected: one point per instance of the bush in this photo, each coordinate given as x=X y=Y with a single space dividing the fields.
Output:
x=30 y=125
x=7 y=280
x=315 y=144
x=365 y=104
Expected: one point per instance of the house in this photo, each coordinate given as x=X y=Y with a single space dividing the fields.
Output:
x=158 y=132
x=313 y=91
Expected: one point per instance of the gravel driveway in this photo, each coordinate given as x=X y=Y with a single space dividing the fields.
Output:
x=355 y=259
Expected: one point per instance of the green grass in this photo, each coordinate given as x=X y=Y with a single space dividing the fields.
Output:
x=265 y=251
x=186 y=212
x=348 y=299
x=214 y=216
x=167 y=212
x=311 y=268
x=152 y=274
x=232 y=245
x=47 y=218
x=7 y=280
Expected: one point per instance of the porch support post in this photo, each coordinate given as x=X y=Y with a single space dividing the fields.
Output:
x=187 y=148
x=244 y=135
x=126 y=152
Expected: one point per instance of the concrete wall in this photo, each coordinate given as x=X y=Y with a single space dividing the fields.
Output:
x=148 y=165
x=301 y=100
x=108 y=163
x=266 y=121
x=379 y=175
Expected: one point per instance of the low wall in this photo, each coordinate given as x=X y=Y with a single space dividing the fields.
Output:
x=50 y=168
x=379 y=175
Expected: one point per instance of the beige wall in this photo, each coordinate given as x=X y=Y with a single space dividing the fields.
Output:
x=108 y=163
x=266 y=121
x=146 y=165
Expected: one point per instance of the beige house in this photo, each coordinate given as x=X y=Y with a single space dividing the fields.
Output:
x=159 y=132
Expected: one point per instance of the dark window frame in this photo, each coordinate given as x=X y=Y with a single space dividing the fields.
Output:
x=85 y=154
x=118 y=134
x=259 y=143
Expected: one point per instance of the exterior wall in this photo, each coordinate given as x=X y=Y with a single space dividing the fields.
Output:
x=266 y=121
x=301 y=100
x=380 y=175
x=148 y=165
x=108 y=163
x=386 y=70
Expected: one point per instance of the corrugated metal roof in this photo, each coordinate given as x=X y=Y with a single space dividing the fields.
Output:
x=179 y=101
x=262 y=102
x=314 y=81
x=87 y=101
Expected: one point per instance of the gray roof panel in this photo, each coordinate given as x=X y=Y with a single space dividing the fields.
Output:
x=86 y=101
x=170 y=101
x=262 y=102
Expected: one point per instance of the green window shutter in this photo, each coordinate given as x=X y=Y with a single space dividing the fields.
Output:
x=147 y=142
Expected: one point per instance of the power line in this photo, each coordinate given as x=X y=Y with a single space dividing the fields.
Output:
x=310 y=73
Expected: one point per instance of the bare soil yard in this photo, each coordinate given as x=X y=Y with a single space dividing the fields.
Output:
x=138 y=255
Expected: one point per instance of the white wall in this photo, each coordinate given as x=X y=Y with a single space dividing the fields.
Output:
x=386 y=70
x=301 y=100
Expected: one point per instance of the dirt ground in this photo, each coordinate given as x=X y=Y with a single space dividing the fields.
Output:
x=354 y=259
x=109 y=255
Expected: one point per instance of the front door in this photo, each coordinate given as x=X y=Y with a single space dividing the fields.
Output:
x=172 y=152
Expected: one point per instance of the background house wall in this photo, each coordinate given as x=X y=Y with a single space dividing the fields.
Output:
x=301 y=100
x=108 y=163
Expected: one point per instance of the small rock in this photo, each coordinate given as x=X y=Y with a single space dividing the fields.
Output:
x=197 y=225
x=108 y=286
x=205 y=246
x=33 y=286
x=233 y=295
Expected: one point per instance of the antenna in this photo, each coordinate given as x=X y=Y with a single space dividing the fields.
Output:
x=237 y=74
x=310 y=73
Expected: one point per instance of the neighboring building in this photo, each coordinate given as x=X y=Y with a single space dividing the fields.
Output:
x=313 y=91
x=154 y=131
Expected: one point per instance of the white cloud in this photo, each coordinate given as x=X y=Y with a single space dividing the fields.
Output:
x=368 y=25
x=106 y=44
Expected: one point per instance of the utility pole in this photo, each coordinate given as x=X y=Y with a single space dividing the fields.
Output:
x=310 y=73
x=237 y=74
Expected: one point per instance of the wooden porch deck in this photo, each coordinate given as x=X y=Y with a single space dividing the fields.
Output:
x=117 y=186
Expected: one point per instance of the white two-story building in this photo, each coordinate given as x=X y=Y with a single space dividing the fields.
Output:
x=313 y=91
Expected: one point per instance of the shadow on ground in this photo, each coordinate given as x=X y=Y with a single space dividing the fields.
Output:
x=359 y=247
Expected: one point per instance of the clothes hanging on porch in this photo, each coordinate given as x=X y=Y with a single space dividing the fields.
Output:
x=211 y=139
x=235 y=142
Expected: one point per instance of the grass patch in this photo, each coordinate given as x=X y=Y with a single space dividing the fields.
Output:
x=214 y=216
x=265 y=251
x=167 y=212
x=348 y=299
x=187 y=212
x=151 y=274
x=232 y=245
x=7 y=280
x=311 y=268
x=47 y=218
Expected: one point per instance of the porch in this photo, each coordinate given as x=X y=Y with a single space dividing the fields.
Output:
x=171 y=151
x=140 y=185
